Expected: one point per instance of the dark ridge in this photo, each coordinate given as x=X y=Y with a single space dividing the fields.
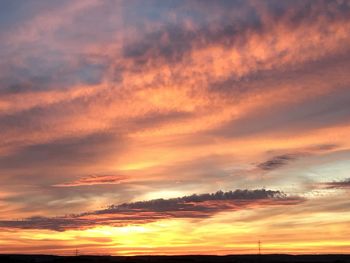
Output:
x=272 y=258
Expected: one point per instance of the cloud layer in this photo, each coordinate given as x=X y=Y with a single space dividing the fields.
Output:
x=193 y=206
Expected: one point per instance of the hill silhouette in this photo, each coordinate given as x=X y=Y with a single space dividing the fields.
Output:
x=276 y=258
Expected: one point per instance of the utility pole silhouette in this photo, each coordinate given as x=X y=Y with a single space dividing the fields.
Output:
x=259 y=247
x=76 y=252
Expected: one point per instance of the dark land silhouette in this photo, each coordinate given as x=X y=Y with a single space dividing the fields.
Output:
x=276 y=258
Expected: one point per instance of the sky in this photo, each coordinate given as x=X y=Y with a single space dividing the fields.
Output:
x=174 y=127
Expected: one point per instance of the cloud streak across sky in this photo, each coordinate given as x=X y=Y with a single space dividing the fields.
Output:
x=194 y=206
x=94 y=180
x=117 y=101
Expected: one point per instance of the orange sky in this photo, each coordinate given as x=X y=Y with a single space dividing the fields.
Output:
x=174 y=127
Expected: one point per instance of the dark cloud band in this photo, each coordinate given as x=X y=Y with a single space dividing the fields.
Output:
x=193 y=206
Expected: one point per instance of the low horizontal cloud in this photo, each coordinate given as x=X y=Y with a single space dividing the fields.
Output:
x=94 y=180
x=193 y=206
x=345 y=184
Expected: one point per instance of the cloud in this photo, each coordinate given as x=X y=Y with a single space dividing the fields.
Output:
x=94 y=180
x=345 y=184
x=278 y=161
x=86 y=95
x=193 y=206
x=62 y=152
x=199 y=202
x=324 y=147
x=234 y=24
x=329 y=109
x=244 y=37
x=214 y=48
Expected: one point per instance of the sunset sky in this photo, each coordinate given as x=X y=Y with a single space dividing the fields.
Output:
x=174 y=127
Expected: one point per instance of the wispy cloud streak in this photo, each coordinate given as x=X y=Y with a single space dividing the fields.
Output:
x=94 y=180
x=345 y=184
